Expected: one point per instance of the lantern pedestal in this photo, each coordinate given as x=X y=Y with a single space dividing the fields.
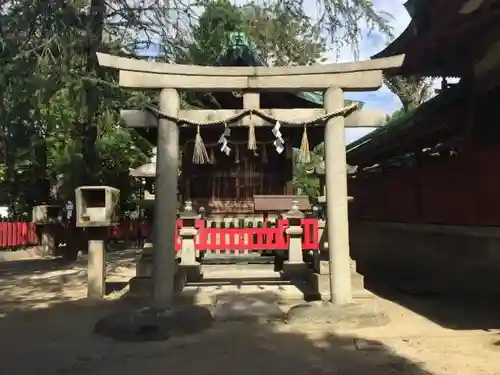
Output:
x=294 y=267
x=189 y=266
x=47 y=222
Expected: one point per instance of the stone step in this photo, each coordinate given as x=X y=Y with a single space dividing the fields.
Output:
x=236 y=259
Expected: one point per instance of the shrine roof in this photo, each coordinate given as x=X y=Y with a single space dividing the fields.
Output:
x=443 y=37
x=241 y=51
x=387 y=140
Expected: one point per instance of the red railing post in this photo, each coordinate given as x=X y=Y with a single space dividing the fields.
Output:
x=310 y=240
x=2 y=234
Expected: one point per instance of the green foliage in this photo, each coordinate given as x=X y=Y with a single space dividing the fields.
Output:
x=59 y=124
x=411 y=91
x=283 y=38
x=282 y=32
x=49 y=92
x=211 y=35
x=395 y=115
x=303 y=173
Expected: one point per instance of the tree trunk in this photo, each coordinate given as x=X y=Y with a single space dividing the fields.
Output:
x=95 y=29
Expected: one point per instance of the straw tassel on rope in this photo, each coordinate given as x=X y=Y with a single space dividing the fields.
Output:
x=304 y=153
x=200 y=155
x=252 y=141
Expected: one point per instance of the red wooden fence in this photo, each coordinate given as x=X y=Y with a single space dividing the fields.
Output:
x=16 y=234
x=462 y=190
x=239 y=239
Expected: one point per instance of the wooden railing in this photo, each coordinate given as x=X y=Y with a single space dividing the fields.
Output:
x=272 y=236
x=17 y=234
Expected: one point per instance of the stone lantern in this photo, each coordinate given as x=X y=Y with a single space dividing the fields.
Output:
x=319 y=171
x=295 y=265
x=189 y=265
x=141 y=284
x=319 y=279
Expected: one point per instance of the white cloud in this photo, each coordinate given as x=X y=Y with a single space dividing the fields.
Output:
x=373 y=42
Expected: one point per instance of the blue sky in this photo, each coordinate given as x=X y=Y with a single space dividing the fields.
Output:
x=371 y=43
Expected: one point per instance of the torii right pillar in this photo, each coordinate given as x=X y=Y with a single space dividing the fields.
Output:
x=340 y=309
x=336 y=196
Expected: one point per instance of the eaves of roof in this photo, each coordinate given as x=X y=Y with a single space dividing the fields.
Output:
x=405 y=123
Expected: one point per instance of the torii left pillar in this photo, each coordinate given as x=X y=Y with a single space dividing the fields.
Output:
x=336 y=194
x=167 y=163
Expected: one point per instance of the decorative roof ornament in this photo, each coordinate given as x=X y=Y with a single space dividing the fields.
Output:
x=240 y=46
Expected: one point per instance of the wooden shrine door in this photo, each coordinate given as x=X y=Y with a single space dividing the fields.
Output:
x=232 y=181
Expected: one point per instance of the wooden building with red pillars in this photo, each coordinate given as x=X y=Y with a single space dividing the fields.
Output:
x=426 y=191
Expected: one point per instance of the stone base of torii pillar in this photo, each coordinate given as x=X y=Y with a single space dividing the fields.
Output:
x=362 y=312
x=319 y=282
x=318 y=279
x=142 y=284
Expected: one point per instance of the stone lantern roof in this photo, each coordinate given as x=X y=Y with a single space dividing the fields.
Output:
x=319 y=171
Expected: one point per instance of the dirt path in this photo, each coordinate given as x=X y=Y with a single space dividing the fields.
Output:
x=46 y=328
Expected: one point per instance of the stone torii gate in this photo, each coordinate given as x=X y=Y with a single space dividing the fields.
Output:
x=332 y=79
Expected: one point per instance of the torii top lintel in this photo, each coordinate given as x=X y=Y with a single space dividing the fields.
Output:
x=354 y=76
